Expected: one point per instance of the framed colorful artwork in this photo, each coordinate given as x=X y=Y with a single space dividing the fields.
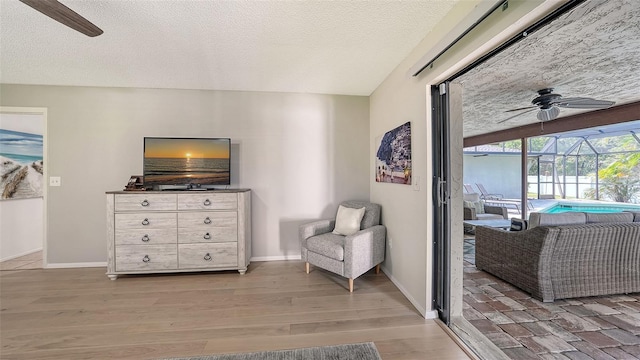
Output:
x=393 y=156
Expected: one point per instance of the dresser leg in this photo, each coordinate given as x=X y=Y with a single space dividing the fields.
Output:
x=112 y=277
x=242 y=271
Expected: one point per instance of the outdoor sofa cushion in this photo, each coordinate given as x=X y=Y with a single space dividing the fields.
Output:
x=567 y=218
x=622 y=217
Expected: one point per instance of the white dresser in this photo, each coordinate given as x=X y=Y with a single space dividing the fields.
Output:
x=178 y=231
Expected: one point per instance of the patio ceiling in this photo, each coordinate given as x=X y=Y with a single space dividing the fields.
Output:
x=591 y=51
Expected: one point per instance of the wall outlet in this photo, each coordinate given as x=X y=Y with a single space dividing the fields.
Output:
x=54 y=181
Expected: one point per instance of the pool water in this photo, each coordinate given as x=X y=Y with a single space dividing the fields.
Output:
x=591 y=208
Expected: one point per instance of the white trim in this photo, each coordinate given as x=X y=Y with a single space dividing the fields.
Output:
x=276 y=258
x=23 y=110
x=76 y=265
x=45 y=160
x=22 y=254
x=427 y=314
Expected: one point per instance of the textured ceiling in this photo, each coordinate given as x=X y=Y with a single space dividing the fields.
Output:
x=593 y=51
x=333 y=47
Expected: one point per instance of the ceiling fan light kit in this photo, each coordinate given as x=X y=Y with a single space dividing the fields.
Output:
x=548 y=113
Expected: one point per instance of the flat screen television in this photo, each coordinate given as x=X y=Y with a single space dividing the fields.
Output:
x=186 y=163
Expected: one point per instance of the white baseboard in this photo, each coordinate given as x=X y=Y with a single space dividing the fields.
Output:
x=431 y=314
x=276 y=258
x=21 y=254
x=76 y=265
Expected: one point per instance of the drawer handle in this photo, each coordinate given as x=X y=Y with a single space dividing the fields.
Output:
x=145 y=222
x=207 y=202
x=144 y=202
x=146 y=259
x=207 y=221
x=207 y=257
x=145 y=238
x=207 y=236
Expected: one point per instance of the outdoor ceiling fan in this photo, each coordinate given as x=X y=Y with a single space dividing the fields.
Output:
x=59 y=12
x=549 y=105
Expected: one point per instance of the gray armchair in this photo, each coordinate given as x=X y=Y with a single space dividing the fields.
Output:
x=349 y=256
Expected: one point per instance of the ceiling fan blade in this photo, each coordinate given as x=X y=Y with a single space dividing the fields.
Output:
x=59 y=12
x=516 y=115
x=522 y=108
x=582 y=103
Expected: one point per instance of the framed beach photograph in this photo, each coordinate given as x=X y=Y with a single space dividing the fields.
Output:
x=21 y=157
x=393 y=156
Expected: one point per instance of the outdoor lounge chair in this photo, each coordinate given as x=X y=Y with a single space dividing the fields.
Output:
x=484 y=194
x=506 y=203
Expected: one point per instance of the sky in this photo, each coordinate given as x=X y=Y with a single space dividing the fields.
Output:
x=186 y=148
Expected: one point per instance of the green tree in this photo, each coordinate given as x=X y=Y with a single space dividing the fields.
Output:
x=620 y=181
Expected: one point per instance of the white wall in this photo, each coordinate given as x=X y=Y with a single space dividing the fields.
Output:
x=301 y=154
x=500 y=174
x=21 y=227
x=400 y=98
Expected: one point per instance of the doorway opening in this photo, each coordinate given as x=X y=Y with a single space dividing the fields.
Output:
x=24 y=190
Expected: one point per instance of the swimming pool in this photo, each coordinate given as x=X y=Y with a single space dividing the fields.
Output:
x=566 y=206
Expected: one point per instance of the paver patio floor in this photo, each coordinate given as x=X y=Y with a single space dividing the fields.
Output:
x=601 y=327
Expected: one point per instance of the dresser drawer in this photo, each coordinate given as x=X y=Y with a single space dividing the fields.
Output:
x=200 y=256
x=208 y=201
x=146 y=236
x=145 y=202
x=145 y=221
x=146 y=257
x=201 y=227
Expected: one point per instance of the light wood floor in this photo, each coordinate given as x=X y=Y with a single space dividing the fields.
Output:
x=81 y=314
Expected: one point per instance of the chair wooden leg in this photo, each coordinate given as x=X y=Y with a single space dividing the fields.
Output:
x=306 y=267
x=378 y=269
x=350 y=285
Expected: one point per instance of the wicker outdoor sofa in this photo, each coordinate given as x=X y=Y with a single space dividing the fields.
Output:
x=565 y=256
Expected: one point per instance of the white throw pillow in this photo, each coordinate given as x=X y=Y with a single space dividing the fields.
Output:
x=478 y=205
x=348 y=220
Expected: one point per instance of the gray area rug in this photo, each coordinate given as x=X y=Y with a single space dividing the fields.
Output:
x=363 y=351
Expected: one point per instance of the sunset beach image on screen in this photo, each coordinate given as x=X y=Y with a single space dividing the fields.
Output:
x=184 y=161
